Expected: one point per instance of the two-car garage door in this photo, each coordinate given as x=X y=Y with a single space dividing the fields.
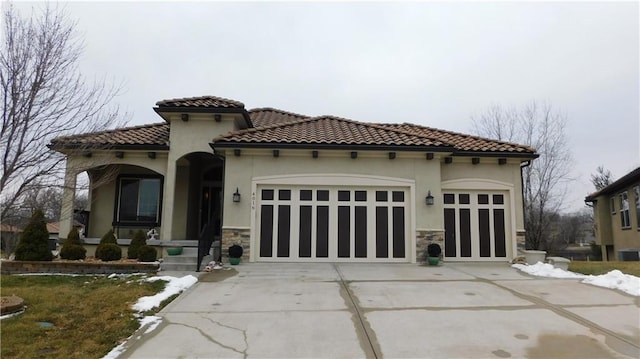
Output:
x=332 y=224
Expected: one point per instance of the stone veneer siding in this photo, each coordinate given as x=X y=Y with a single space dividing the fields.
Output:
x=20 y=267
x=239 y=236
x=424 y=238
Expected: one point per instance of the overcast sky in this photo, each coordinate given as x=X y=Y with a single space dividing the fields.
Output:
x=434 y=64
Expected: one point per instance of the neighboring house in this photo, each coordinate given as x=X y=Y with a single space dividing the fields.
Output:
x=9 y=237
x=616 y=215
x=290 y=187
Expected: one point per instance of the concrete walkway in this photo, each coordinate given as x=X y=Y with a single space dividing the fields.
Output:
x=475 y=310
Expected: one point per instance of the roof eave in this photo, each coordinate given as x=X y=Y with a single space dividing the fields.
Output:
x=524 y=155
x=185 y=109
x=92 y=147
x=330 y=146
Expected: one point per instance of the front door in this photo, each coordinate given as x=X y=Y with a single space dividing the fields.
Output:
x=211 y=207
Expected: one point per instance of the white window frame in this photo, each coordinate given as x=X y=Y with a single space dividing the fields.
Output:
x=625 y=220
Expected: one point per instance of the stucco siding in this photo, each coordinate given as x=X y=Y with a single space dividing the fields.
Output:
x=196 y=134
x=240 y=170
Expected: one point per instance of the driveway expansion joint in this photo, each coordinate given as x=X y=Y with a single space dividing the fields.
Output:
x=362 y=326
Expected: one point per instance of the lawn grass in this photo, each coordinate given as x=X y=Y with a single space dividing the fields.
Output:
x=91 y=315
x=597 y=268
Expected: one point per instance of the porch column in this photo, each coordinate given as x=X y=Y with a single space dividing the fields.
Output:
x=68 y=198
x=168 y=197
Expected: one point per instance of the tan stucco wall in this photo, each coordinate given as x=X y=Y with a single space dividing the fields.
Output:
x=196 y=134
x=186 y=137
x=181 y=200
x=602 y=221
x=625 y=238
x=240 y=170
x=102 y=198
x=608 y=225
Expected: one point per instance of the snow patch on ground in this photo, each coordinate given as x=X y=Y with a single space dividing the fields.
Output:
x=615 y=279
x=174 y=286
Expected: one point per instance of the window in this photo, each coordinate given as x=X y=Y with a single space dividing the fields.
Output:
x=624 y=210
x=636 y=189
x=612 y=204
x=139 y=201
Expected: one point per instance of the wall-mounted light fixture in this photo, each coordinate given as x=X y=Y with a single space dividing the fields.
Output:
x=392 y=155
x=237 y=152
x=119 y=154
x=236 y=196
x=151 y=155
x=429 y=199
x=314 y=154
x=354 y=154
x=184 y=117
x=217 y=117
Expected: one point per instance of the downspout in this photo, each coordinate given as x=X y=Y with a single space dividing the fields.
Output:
x=523 y=165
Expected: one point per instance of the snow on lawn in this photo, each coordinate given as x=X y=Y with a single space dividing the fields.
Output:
x=174 y=286
x=615 y=279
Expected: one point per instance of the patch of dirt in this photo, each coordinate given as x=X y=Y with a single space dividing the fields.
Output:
x=217 y=275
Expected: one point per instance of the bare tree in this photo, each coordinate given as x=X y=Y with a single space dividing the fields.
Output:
x=44 y=96
x=545 y=179
x=602 y=178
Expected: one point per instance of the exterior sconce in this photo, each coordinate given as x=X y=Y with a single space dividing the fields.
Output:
x=236 y=196
x=217 y=117
x=429 y=199
x=184 y=117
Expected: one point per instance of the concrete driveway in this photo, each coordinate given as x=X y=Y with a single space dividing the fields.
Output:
x=475 y=310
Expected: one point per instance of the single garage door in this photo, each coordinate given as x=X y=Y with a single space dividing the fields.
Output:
x=332 y=224
x=476 y=225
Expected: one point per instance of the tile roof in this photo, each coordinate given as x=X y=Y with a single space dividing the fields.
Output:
x=201 y=102
x=326 y=130
x=272 y=127
x=270 y=116
x=156 y=134
x=462 y=142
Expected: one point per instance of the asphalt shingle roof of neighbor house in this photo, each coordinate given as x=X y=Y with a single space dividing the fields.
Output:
x=277 y=128
x=621 y=183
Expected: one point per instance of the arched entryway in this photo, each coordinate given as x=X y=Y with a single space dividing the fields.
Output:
x=205 y=188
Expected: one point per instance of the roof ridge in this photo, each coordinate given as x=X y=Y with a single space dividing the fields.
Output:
x=195 y=98
x=113 y=130
x=464 y=135
x=272 y=109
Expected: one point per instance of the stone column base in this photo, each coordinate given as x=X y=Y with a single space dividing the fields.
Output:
x=239 y=236
x=423 y=239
